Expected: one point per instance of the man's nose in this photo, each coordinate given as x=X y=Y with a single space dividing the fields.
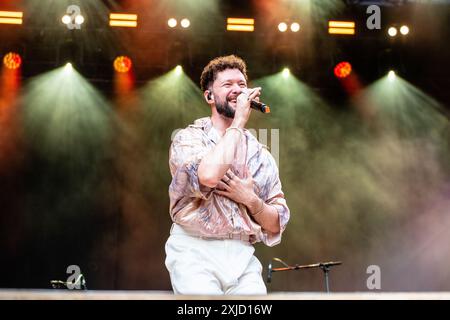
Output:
x=237 y=89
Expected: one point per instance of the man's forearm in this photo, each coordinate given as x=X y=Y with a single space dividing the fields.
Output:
x=215 y=163
x=265 y=215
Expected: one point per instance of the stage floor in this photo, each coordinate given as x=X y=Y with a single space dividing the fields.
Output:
x=14 y=294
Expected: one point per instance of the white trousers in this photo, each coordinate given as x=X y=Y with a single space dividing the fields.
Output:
x=201 y=266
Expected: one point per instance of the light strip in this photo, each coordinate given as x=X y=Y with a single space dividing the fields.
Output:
x=10 y=21
x=11 y=14
x=341 y=24
x=234 y=27
x=240 y=21
x=123 y=16
x=123 y=20
x=118 y=23
x=240 y=24
x=341 y=31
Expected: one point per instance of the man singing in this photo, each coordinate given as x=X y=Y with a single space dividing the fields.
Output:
x=225 y=193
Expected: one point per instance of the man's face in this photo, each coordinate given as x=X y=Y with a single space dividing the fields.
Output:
x=226 y=88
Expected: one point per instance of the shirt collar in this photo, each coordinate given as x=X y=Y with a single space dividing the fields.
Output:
x=206 y=125
x=202 y=123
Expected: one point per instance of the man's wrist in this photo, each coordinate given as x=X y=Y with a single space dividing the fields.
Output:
x=253 y=203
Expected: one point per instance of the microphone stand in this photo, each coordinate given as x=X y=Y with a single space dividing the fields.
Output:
x=326 y=270
x=325 y=266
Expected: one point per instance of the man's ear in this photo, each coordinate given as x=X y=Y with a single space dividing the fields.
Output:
x=209 y=96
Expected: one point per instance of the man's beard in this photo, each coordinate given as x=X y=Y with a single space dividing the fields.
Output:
x=224 y=109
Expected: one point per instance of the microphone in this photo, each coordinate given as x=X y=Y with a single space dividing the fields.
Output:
x=259 y=106
x=269 y=273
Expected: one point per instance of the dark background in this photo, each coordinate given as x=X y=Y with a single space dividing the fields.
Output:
x=104 y=206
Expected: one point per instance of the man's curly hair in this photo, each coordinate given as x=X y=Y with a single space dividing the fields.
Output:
x=219 y=64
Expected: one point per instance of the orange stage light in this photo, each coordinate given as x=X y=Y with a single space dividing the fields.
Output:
x=12 y=60
x=122 y=64
x=343 y=70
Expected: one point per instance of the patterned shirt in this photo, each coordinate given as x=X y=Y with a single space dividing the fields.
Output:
x=207 y=213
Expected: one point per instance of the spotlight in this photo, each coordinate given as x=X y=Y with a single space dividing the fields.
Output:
x=66 y=19
x=392 y=31
x=185 y=23
x=12 y=60
x=241 y=24
x=404 y=30
x=172 y=22
x=79 y=19
x=68 y=67
x=122 y=64
x=282 y=27
x=391 y=75
x=286 y=72
x=295 y=27
x=343 y=69
x=123 y=20
x=341 y=27
x=178 y=70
